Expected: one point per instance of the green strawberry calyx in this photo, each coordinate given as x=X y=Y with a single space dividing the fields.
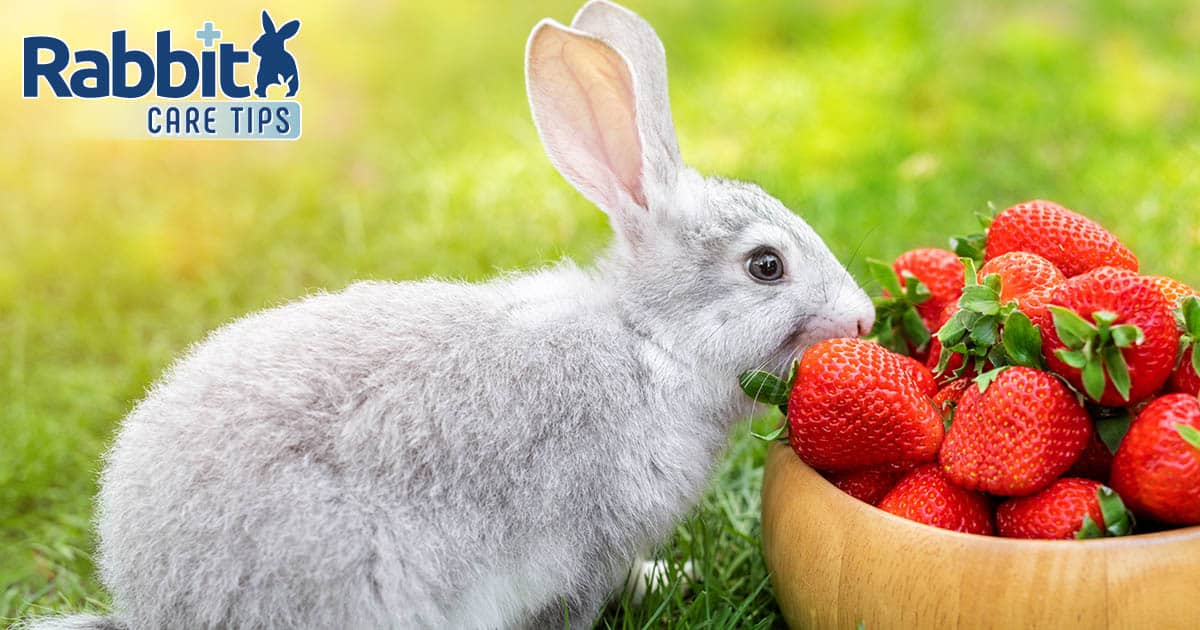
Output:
x=1190 y=434
x=986 y=331
x=948 y=412
x=769 y=389
x=898 y=325
x=1095 y=349
x=1187 y=316
x=1112 y=423
x=1118 y=520
x=973 y=245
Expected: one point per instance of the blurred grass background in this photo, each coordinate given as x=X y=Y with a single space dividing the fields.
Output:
x=885 y=124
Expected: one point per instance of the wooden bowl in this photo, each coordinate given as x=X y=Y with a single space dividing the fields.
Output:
x=837 y=562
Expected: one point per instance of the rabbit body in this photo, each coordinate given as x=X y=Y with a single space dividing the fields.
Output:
x=447 y=455
x=405 y=455
x=435 y=455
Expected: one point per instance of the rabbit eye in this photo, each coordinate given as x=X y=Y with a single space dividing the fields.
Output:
x=765 y=265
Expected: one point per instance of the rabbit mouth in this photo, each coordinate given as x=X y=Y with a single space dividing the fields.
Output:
x=797 y=341
x=811 y=329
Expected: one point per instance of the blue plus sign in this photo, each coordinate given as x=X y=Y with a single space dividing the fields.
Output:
x=208 y=34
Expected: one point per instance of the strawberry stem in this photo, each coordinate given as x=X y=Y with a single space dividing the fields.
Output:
x=984 y=330
x=1096 y=349
x=898 y=325
x=1190 y=313
x=1118 y=520
x=985 y=380
x=765 y=387
x=1111 y=425
x=1022 y=341
x=778 y=433
x=1189 y=434
x=973 y=246
x=1188 y=318
x=1089 y=529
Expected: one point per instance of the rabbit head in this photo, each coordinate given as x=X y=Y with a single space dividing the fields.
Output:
x=718 y=273
x=271 y=40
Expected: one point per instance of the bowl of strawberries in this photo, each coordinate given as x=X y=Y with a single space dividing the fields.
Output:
x=1015 y=444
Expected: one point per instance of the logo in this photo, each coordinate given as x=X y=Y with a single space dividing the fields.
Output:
x=226 y=109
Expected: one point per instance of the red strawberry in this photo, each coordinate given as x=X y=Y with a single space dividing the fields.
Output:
x=946 y=400
x=854 y=406
x=869 y=484
x=1095 y=462
x=927 y=496
x=1070 y=241
x=1069 y=508
x=1022 y=273
x=919 y=374
x=1117 y=338
x=1172 y=289
x=1184 y=379
x=1035 y=305
x=1157 y=467
x=940 y=271
x=1016 y=437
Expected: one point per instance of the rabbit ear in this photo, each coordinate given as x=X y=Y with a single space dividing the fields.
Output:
x=636 y=40
x=582 y=96
x=289 y=29
x=268 y=25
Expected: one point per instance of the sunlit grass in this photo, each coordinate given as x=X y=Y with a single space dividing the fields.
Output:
x=886 y=125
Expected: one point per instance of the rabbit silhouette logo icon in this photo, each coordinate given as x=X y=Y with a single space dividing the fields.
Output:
x=275 y=63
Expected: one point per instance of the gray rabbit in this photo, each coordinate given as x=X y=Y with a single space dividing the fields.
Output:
x=449 y=455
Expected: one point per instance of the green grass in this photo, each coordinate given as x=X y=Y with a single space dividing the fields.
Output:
x=886 y=125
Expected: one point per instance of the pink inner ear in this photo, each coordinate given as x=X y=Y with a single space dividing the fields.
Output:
x=585 y=107
x=609 y=99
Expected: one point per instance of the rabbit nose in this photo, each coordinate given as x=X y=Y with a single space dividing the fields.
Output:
x=865 y=324
x=863 y=312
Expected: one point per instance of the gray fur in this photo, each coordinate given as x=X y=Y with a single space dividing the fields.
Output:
x=436 y=454
x=72 y=622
